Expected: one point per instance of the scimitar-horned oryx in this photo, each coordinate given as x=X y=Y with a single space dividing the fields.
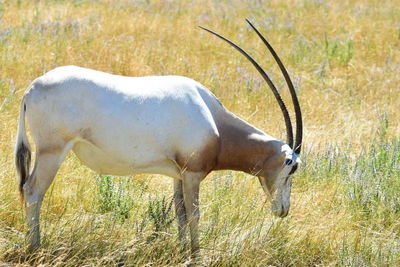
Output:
x=168 y=125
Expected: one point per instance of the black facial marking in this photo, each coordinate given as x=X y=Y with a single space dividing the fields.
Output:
x=288 y=162
x=293 y=169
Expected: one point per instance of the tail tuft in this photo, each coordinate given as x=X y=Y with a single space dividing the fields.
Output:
x=22 y=162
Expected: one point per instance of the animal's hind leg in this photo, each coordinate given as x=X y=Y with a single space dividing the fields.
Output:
x=46 y=167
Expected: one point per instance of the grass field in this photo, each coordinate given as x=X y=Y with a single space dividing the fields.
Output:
x=344 y=58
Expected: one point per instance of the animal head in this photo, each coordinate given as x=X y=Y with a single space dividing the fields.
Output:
x=276 y=179
x=276 y=173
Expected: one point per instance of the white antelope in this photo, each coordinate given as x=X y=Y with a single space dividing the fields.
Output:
x=168 y=125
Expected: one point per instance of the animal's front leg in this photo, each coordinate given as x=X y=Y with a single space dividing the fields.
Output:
x=180 y=208
x=191 y=185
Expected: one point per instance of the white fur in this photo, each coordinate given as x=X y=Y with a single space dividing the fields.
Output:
x=124 y=125
x=135 y=124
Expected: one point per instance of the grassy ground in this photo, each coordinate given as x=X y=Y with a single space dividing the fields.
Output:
x=344 y=58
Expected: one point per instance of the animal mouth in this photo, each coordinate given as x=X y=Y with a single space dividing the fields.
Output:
x=281 y=212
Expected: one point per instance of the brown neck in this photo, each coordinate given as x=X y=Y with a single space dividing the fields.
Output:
x=242 y=146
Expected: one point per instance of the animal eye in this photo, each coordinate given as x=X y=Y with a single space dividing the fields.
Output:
x=288 y=162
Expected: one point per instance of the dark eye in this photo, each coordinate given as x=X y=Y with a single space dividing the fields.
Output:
x=288 y=162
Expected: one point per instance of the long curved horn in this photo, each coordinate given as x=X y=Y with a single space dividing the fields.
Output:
x=297 y=109
x=289 y=129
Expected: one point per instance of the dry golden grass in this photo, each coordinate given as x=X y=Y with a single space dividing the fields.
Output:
x=344 y=58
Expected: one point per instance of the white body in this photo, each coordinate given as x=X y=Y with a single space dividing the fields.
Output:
x=119 y=125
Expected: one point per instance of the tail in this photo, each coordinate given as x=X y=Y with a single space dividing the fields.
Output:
x=22 y=150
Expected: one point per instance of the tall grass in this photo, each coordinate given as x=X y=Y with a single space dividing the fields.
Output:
x=344 y=58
